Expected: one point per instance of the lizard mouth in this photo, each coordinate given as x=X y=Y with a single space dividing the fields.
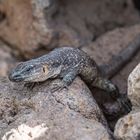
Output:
x=16 y=78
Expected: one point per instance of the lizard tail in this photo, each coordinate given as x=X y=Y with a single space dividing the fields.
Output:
x=118 y=61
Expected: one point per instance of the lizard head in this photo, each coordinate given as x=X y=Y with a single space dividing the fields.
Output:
x=32 y=72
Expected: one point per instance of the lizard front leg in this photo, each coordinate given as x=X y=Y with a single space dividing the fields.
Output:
x=66 y=81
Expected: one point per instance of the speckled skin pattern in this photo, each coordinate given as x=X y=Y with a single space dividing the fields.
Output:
x=65 y=63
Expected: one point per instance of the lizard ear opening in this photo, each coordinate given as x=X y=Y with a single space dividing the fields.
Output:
x=45 y=69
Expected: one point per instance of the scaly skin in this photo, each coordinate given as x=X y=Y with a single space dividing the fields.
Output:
x=65 y=63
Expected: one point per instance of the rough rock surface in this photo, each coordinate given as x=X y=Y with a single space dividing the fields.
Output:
x=134 y=87
x=128 y=127
x=69 y=114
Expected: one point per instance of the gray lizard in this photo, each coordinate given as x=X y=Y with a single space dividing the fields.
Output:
x=67 y=63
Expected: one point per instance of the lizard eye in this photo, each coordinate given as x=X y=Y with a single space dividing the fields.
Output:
x=29 y=68
x=44 y=69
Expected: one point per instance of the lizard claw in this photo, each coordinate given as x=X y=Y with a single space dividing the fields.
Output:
x=58 y=87
x=115 y=94
x=125 y=103
x=30 y=86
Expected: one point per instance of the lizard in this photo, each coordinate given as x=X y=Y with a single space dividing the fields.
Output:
x=67 y=63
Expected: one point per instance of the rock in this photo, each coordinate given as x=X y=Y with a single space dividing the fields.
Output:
x=99 y=17
x=39 y=132
x=41 y=114
x=6 y=59
x=26 y=26
x=25 y=132
x=128 y=127
x=111 y=43
x=134 y=87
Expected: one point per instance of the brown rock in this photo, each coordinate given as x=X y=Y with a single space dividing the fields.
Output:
x=134 y=87
x=91 y=18
x=27 y=26
x=38 y=113
x=128 y=127
x=24 y=26
x=111 y=43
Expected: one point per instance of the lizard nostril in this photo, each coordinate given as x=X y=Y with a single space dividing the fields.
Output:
x=10 y=76
x=15 y=77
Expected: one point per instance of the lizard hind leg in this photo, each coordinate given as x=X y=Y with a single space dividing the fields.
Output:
x=113 y=90
x=107 y=85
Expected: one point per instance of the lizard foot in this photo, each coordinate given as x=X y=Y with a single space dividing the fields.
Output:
x=115 y=94
x=58 y=87
x=125 y=103
x=30 y=86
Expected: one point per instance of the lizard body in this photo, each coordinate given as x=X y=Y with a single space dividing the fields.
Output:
x=65 y=63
